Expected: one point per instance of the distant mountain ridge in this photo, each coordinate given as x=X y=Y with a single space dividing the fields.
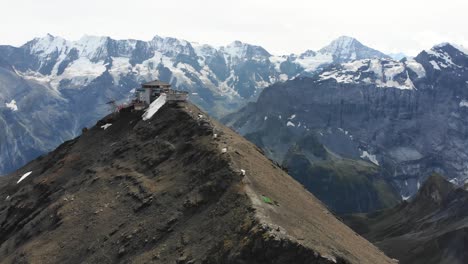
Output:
x=429 y=229
x=60 y=86
x=407 y=117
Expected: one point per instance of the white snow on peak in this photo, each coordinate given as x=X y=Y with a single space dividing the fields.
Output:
x=91 y=46
x=312 y=63
x=461 y=48
x=343 y=44
x=440 y=45
x=292 y=117
x=463 y=103
x=168 y=45
x=457 y=46
x=203 y=50
x=236 y=49
x=24 y=176
x=81 y=72
x=154 y=107
x=441 y=58
x=435 y=65
x=355 y=65
x=49 y=44
x=12 y=105
x=290 y=124
x=416 y=67
x=370 y=157
x=385 y=72
x=87 y=46
x=277 y=60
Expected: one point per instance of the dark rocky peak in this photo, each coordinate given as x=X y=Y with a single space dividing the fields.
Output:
x=444 y=57
x=435 y=190
x=430 y=229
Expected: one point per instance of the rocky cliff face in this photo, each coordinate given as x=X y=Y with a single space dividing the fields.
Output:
x=406 y=117
x=431 y=228
x=178 y=188
x=52 y=75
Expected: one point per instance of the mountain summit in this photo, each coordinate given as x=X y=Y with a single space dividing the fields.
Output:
x=347 y=48
x=177 y=188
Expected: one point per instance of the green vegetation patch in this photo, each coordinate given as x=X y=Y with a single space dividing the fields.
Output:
x=267 y=199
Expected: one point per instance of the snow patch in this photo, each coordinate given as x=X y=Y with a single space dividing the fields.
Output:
x=385 y=72
x=416 y=67
x=277 y=60
x=154 y=107
x=290 y=124
x=405 y=198
x=81 y=72
x=370 y=157
x=24 y=176
x=312 y=63
x=12 y=105
x=106 y=126
x=444 y=59
x=463 y=103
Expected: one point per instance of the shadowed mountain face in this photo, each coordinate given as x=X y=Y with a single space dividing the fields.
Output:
x=406 y=118
x=177 y=188
x=432 y=228
x=60 y=86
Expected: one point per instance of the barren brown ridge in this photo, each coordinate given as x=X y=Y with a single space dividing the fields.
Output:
x=178 y=188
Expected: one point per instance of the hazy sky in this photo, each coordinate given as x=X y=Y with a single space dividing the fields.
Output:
x=280 y=26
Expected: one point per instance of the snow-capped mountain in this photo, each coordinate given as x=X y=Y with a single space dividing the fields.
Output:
x=234 y=72
x=381 y=72
x=51 y=87
x=342 y=49
x=406 y=117
x=347 y=48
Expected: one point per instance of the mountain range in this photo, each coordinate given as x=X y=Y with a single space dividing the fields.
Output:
x=50 y=88
x=406 y=119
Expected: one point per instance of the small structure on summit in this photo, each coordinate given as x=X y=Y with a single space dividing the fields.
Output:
x=151 y=91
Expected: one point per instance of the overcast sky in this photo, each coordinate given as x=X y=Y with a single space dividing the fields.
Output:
x=280 y=26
